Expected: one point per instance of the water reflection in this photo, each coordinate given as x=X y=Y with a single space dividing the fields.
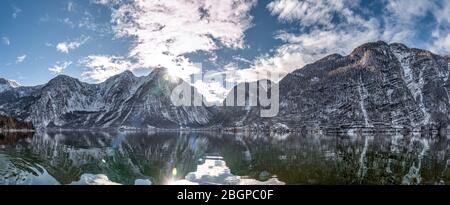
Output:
x=143 y=158
x=214 y=171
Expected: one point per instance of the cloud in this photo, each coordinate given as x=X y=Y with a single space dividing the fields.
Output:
x=67 y=22
x=16 y=12
x=106 y=2
x=45 y=18
x=65 y=47
x=5 y=40
x=59 y=67
x=309 y=12
x=163 y=32
x=21 y=58
x=70 y=6
x=405 y=11
x=88 y=22
x=101 y=67
x=442 y=44
x=326 y=27
x=317 y=35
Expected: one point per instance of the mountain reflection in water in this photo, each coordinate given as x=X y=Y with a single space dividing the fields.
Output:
x=180 y=158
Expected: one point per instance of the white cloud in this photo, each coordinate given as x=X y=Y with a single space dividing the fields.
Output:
x=45 y=18
x=59 y=67
x=402 y=20
x=5 y=40
x=320 y=34
x=164 y=31
x=105 y=2
x=16 y=12
x=67 y=22
x=101 y=68
x=21 y=58
x=70 y=6
x=86 y=21
x=309 y=12
x=65 y=47
x=442 y=44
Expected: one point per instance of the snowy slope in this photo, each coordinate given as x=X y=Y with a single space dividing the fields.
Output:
x=377 y=84
x=121 y=101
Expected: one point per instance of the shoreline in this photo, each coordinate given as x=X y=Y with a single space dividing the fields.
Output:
x=249 y=130
x=16 y=130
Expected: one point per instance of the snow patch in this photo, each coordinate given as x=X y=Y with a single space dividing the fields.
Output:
x=414 y=84
x=363 y=94
x=142 y=182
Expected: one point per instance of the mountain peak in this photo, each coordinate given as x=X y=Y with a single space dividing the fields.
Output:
x=160 y=71
x=163 y=73
x=6 y=85
x=334 y=56
x=371 y=46
x=10 y=83
x=124 y=75
x=398 y=46
x=62 y=79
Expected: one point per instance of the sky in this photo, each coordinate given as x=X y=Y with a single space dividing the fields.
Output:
x=241 y=39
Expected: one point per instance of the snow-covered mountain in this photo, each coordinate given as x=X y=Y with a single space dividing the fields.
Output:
x=241 y=106
x=377 y=84
x=6 y=85
x=121 y=101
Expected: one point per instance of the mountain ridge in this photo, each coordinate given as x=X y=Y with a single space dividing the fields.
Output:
x=66 y=102
x=377 y=83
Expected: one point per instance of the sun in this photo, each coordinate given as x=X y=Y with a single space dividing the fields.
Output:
x=171 y=75
x=172 y=72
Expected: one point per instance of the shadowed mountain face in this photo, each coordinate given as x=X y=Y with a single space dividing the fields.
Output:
x=7 y=123
x=7 y=85
x=377 y=84
x=242 y=105
x=122 y=101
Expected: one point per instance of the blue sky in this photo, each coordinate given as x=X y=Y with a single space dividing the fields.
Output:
x=95 y=39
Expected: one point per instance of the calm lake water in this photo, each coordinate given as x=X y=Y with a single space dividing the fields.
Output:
x=161 y=158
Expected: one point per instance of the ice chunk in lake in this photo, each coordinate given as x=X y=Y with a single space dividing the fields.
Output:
x=142 y=182
x=90 y=179
x=214 y=171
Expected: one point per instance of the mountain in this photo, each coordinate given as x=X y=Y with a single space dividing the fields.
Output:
x=123 y=101
x=241 y=106
x=377 y=84
x=6 y=85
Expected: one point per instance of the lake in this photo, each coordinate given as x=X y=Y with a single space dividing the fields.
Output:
x=71 y=157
